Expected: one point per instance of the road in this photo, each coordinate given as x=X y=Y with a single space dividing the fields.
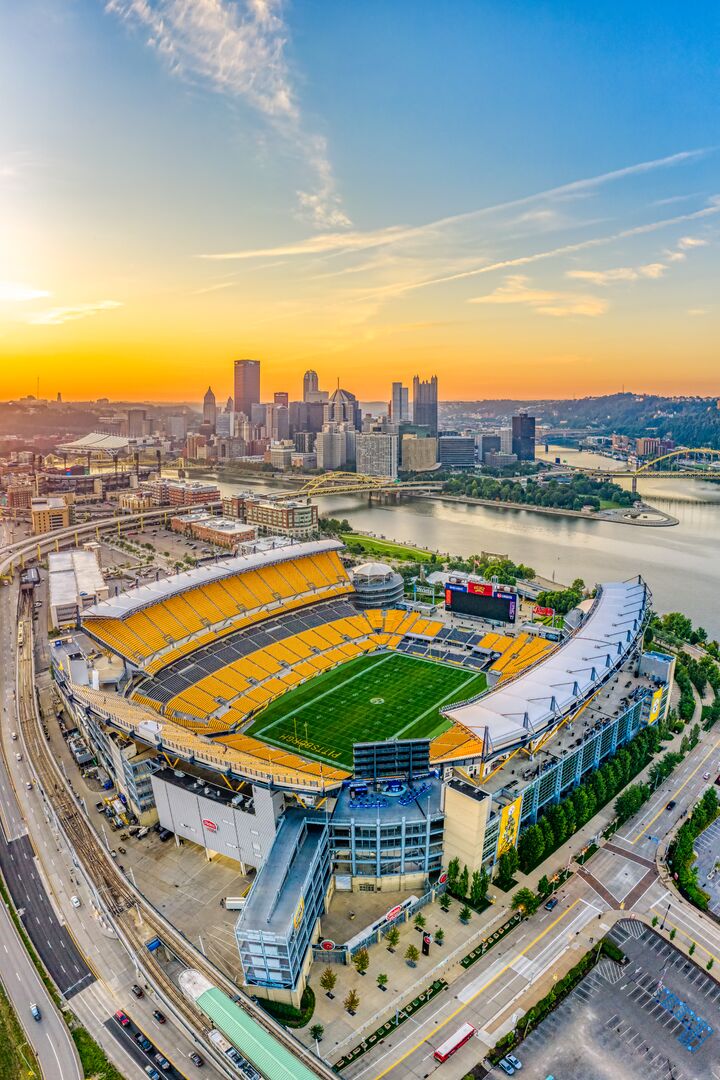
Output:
x=621 y=878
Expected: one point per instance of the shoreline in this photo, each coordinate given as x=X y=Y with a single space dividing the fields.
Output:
x=616 y=517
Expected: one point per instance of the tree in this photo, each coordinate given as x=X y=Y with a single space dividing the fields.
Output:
x=412 y=955
x=445 y=901
x=352 y=1001
x=419 y=921
x=382 y=980
x=316 y=1032
x=392 y=937
x=463 y=883
x=525 y=901
x=506 y=866
x=465 y=914
x=361 y=960
x=439 y=936
x=328 y=980
x=453 y=873
x=544 y=886
x=531 y=847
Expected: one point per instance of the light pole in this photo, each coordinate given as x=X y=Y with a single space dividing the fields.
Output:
x=662 y=924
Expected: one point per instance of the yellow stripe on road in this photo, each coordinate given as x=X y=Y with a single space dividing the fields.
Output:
x=711 y=751
x=484 y=987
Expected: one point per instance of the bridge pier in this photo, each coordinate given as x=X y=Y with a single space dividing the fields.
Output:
x=634 y=484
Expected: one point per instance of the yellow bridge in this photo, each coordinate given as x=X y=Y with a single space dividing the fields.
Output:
x=345 y=483
x=650 y=468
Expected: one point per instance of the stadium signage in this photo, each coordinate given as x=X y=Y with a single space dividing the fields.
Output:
x=543 y=611
x=327 y=945
x=442 y=879
x=393 y=913
x=478 y=589
x=209 y=825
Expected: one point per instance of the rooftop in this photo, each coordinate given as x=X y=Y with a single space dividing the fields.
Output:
x=72 y=575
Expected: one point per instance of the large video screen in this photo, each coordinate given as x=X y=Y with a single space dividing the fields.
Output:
x=495 y=608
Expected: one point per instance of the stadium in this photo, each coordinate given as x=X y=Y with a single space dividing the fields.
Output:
x=336 y=746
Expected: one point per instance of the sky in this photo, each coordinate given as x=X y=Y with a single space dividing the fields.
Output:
x=521 y=198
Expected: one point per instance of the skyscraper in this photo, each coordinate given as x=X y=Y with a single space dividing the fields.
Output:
x=523 y=437
x=209 y=409
x=246 y=385
x=425 y=403
x=376 y=454
x=280 y=397
x=310 y=384
x=399 y=406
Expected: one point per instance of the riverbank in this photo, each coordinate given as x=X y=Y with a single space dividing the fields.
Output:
x=621 y=516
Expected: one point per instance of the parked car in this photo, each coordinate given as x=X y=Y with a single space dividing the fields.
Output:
x=506 y=1066
x=514 y=1062
x=122 y=1018
x=137 y=990
x=160 y=1017
x=143 y=1042
x=35 y=1012
x=162 y=1062
x=152 y=1072
x=551 y=904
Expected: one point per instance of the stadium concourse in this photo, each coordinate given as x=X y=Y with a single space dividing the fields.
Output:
x=251 y=708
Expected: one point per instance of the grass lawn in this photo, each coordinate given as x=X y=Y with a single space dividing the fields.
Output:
x=17 y=1061
x=369 y=699
x=388 y=548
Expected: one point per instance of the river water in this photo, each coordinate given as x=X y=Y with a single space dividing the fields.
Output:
x=681 y=563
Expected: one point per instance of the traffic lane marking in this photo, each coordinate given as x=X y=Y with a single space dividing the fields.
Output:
x=676 y=792
x=489 y=982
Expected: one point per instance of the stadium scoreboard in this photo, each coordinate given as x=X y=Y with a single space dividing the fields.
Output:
x=481 y=600
x=394 y=758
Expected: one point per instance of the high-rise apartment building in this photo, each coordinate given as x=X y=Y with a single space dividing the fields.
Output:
x=523 y=436
x=209 y=409
x=425 y=403
x=376 y=454
x=331 y=447
x=246 y=385
x=419 y=455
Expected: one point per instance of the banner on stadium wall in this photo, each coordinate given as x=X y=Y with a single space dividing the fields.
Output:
x=478 y=589
x=543 y=612
x=509 y=826
x=655 y=706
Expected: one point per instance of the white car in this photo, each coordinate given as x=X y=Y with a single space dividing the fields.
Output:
x=14 y=736
x=18 y=757
x=76 y=901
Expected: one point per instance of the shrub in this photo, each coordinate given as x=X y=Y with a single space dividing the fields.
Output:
x=288 y=1014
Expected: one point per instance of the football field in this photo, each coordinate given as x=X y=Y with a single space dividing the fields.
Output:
x=369 y=699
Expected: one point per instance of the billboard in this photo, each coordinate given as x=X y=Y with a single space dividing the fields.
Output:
x=502 y=607
x=480 y=589
x=543 y=612
x=655 y=706
x=509 y=826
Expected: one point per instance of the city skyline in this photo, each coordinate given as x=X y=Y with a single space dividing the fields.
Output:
x=427 y=204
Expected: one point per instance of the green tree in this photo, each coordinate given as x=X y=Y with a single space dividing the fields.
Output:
x=352 y=1001
x=453 y=873
x=393 y=937
x=445 y=901
x=382 y=980
x=531 y=847
x=439 y=935
x=478 y=887
x=328 y=980
x=419 y=921
x=411 y=955
x=465 y=914
x=526 y=901
x=507 y=864
x=316 y=1032
x=544 y=886
x=463 y=883
x=361 y=960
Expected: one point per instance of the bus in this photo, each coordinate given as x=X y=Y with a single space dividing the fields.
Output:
x=448 y=1048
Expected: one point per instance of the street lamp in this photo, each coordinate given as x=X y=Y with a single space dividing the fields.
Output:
x=662 y=924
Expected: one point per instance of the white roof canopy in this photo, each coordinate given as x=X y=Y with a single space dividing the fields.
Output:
x=525 y=706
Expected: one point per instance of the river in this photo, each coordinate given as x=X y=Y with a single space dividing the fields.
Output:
x=680 y=563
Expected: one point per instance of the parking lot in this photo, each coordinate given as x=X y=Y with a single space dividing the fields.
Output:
x=621 y=1024
x=707 y=847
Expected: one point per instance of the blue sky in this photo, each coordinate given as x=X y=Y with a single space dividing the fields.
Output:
x=381 y=183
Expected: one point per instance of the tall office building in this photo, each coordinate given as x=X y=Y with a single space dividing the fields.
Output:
x=399 y=403
x=376 y=454
x=246 y=385
x=209 y=409
x=425 y=403
x=310 y=384
x=523 y=437
x=280 y=397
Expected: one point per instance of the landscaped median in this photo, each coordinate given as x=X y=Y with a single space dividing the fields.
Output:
x=389 y=1026
x=489 y=942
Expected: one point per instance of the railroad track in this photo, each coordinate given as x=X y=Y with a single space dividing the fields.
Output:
x=136 y=921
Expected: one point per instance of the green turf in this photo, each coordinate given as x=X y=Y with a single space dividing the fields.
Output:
x=325 y=716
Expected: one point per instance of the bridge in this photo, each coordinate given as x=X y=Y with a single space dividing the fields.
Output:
x=700 y=471
x=345 y=483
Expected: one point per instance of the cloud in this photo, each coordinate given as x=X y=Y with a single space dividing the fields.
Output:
x=516 y=290
x=620 y=273
x=57 y=316
x=14 y=292
x=329 y=243
x=697 y=311
x=686 y=243
x=238 y=49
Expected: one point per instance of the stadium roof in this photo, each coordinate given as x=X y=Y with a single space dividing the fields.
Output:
x=156 y=591
x=527 y=705
x=97 y=442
